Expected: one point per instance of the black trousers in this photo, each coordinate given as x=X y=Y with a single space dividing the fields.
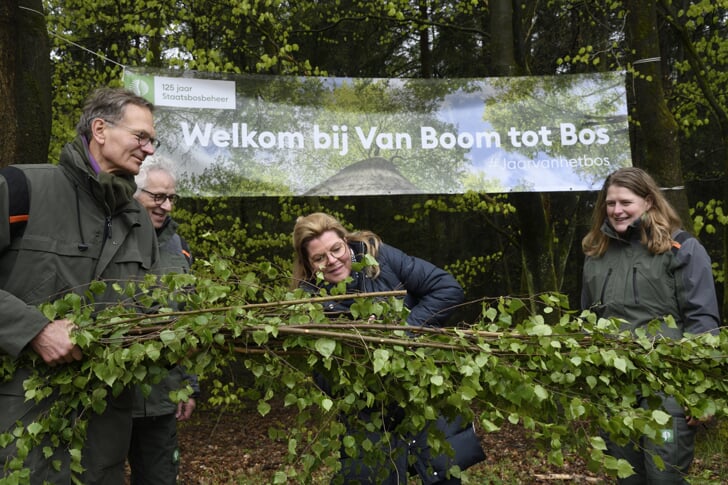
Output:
x=154 y=451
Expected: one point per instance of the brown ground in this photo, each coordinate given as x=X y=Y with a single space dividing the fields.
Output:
x=219 y=448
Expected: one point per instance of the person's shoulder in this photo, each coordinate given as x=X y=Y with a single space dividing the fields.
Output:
x=34 y=166
x=30 y=169
x=384 y=247
x=36 y=178
x=388 y=252
x=681 y=238
x=687 y=247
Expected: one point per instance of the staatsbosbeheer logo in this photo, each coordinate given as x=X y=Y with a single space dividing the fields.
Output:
x=139 y=87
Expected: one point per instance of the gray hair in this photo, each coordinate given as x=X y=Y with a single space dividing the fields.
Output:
x=108 y=104
x=153 y=163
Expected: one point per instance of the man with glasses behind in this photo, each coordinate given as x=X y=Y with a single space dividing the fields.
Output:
x=154 y=450
x=62 y=227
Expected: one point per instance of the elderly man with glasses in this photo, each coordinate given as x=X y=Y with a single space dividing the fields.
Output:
x=154 y=452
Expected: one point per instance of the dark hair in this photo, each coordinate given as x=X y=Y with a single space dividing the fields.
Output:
x=658 y=223
x=108 y=104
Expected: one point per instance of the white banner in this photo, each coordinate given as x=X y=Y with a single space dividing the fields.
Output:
x=247 y=135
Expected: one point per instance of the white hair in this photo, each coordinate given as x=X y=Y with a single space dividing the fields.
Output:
x=153 y=163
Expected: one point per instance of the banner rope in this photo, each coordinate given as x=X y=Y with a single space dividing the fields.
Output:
x=100 y=56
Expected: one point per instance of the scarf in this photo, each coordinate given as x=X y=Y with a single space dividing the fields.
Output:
x=113 y=191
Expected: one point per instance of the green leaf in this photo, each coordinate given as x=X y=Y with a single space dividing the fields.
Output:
x=541 y=330
x=280 y=477
x=597 y=442
x=325 y=346
x=260 y=337
x=98 y=402
x=489 y=426
x=661 y=417
x=167 y=336
x=624 y=469
x=541 y=393
x=35 y=428
x=381 y=361
x=263 y=408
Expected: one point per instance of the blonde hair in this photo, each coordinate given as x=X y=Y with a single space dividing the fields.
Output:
x=313 y=226
x=658 y=222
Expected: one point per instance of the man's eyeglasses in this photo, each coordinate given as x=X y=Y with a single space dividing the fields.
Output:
x=142 y=136
x=160 y=198
x=337 y=251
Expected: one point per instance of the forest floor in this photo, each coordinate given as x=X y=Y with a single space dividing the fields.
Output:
x=234 y=448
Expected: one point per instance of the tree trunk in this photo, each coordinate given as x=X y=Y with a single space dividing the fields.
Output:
x=502 y=39
x=33 y=96
x=662 y=151
x=8 y=49
x=25 y=84
x=426 y=68
x=537 y=251
x=721 y=116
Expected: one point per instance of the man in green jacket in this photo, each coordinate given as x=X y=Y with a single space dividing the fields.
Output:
x=154 y=451
x=62 y=227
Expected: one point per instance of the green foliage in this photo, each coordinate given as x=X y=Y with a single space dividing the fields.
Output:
x=709 y=219
x=564 y=382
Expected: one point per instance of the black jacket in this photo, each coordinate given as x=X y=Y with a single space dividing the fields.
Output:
x=432 y=296
x=432 y=293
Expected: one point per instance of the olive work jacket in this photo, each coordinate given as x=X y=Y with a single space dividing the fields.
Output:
x=78 y=230
x=632 y=284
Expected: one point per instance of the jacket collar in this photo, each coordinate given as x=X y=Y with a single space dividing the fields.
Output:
x=632 y=233
x=113 y=192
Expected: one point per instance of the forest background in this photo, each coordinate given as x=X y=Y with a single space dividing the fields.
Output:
x=54 y=52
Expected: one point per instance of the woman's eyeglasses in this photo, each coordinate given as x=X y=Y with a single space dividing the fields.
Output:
x=337 y=251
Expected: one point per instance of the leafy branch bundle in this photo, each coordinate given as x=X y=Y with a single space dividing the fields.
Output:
x=564 y=375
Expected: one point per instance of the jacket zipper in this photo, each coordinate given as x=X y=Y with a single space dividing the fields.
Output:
x=107 y=229
x=107 y=236
x=604 y=287
x=634 y=286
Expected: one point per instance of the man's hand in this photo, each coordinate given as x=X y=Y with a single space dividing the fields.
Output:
x=54 y=345
x=184 y=409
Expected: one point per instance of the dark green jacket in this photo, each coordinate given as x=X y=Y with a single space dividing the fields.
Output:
x=79 y=229
x=174 y=257
x=630 y=283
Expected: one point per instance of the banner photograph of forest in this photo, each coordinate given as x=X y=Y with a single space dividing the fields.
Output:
x=257 y=135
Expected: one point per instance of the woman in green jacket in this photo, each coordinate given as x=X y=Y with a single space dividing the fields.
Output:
x=637 y=270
